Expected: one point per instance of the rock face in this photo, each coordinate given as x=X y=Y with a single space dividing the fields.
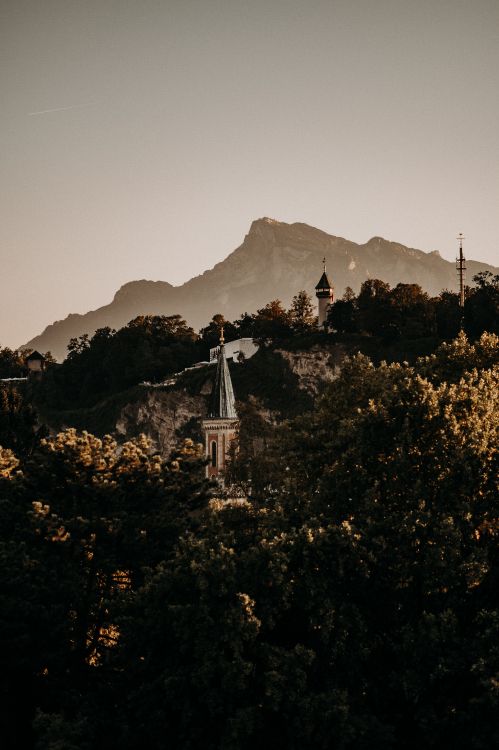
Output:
x=165 y=417
x=276 y=260
x=169 y=414
x=315 y=367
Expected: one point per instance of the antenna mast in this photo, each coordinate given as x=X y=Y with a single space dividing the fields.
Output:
x=461 y=268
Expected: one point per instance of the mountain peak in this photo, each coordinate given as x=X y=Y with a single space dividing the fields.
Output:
x=266 y=220
x=142 y=288
x=275 y=261
x=259 y=226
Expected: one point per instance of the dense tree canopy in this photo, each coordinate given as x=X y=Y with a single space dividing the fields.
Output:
x=18 y=419
x=150 y=347
x=81 y=521
x=12 y=363
x=407 y=312
x=351 y=603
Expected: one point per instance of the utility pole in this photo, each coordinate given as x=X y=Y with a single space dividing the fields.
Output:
x=461 y=268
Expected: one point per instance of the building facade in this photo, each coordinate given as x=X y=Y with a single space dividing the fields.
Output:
x=36 y=365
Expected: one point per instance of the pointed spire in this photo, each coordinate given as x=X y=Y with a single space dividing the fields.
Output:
x=324 y=285
x=223 y=404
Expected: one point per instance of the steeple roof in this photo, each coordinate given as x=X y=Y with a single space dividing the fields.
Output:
x=324 y=282
x=223 y=405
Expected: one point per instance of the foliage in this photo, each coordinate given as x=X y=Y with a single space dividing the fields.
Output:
x=80 y=524
x=210 y=336
x=481 y=308
x=354 y=609
x=350 y=602
x=12 y=363
x=407 y=312
x=302 y=313
x=149 y=348
x=18 y=419
x=271 y=322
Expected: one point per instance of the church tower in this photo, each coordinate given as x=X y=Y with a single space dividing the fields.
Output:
x=324 y=294
x=220 y=427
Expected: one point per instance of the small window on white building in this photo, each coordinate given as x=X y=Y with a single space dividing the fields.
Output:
x=213 y=453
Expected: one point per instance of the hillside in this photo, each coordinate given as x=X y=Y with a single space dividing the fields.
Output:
x=275 y=260
x=275 y=385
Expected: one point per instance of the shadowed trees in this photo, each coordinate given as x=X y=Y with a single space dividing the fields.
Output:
x=18 y=420
x=149 y=348
x=81 y=521
x=351 y=603
x=355 y=605
x=407 y=312
x=481 y=308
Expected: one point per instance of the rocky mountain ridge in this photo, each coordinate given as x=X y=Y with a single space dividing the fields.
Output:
x=275 y=260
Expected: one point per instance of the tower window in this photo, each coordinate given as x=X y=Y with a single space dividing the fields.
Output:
x=213 y=453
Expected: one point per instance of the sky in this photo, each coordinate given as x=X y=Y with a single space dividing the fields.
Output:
x=140 y=138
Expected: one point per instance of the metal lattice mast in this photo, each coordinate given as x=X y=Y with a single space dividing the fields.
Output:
x=461 y=268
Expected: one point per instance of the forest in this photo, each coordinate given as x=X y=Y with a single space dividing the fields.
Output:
x=350 y=601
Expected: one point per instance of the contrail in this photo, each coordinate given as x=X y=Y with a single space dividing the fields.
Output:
x=59 y=109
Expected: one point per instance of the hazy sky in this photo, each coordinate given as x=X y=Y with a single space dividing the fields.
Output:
x=175 y=123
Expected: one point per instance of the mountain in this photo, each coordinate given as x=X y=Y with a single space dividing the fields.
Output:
x=275 y=260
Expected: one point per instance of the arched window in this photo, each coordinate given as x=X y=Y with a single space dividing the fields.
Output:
x=213 y=453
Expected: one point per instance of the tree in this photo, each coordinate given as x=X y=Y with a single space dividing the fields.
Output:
x=210 y=335
x=481 y=308
x=18 y=420
x=302 y=313
x=150 y=347
x=12 y=363
x=412 y=311
x=271 y=322
x=448 y=314
x=348 y=294
x=351 y=602
x=350 y=611
x=79 y=526
x=77 y=345
x=374 y=308
x=245 y=326
x=343 y=316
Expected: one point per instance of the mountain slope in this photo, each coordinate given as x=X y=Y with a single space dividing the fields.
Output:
x=275 y=260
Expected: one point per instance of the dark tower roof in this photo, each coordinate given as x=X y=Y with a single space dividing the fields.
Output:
x=222 y=405
x=324 y=282
x=35 y=355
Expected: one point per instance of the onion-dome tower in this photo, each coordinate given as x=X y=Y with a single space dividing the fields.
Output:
x=220 y=426
x=324 y=294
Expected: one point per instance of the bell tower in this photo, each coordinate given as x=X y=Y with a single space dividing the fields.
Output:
x=324 y=294
x=220 y=426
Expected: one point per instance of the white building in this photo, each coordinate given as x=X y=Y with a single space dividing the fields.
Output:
x=237 y=350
